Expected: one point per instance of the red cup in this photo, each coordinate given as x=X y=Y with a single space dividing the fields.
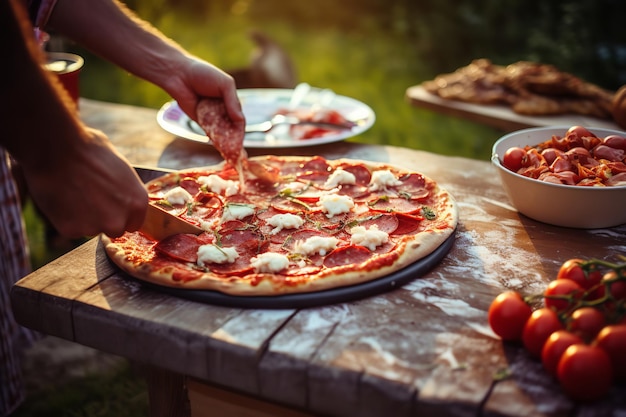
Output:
x=67 y=68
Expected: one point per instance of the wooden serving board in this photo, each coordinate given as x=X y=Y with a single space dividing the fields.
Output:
x=499 y=116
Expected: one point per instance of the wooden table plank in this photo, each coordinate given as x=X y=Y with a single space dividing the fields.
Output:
x=239 y=344
x=45 y=298
x=284 y=366
x=498 y=116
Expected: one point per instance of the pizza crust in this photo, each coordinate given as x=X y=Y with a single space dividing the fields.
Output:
x=136 y=257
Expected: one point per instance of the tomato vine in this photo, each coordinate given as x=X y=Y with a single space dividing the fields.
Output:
x=576 y=326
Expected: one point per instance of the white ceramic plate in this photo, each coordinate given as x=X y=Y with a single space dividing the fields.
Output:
x=260 y=105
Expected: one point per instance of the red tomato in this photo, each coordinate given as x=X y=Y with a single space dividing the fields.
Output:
x=541 y=324
x=587 y=322
x=554 y=348
x=612 y=339
x=584 y=372
x=616 y=287
x=508 y=314
x=514 y=158
x=571 y=269
x=562 y=294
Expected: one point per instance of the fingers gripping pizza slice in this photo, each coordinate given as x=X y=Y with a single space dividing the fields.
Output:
x=323 y=224
x=228 y=139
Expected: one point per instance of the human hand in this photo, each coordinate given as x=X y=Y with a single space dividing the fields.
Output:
x=88 y=188
x=194 y=79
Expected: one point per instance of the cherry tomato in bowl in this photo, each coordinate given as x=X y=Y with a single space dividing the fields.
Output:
x=515 y=158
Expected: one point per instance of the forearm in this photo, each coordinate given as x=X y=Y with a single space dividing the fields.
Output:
x=110 y=30
x=31 y=100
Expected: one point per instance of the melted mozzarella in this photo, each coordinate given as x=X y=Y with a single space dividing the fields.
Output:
x=269 y=262
x=284 y=221
x=340 y=176
x=219 y=185
x=370 y=238
x=382 y=179
x=236 y=211
x=212 y=254
x=317 y=244
x=178 y=195
x=333 y=204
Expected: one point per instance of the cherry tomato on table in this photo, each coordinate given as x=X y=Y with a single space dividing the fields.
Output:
x=555 y=346
x=562 y=294
x=508 y=314
x=616 y=287
x=541 y=324
x=584 y=372
x=587 y=322
x=612 y=339
x=572 y=269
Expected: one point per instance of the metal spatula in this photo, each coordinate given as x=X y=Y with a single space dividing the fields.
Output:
x=160 y=224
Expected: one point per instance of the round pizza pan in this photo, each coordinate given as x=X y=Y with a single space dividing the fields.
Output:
x=315 y=299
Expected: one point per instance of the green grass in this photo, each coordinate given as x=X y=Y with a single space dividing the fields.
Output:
x=119 y=392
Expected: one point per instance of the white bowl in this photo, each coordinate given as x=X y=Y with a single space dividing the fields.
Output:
x=560 y=205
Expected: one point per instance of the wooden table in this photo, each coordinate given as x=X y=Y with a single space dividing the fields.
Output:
x=498 y=116
x=422 y=349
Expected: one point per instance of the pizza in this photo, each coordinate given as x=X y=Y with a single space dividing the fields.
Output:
x=320 y=224
x=529 y=88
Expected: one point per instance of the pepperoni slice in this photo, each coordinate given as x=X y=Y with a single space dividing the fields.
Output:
x=233 y=225
x=280 y=237
x=387 y=223
x=317 y=177
x=407 y=223
x=268 y=213
x=347 y=255
x=396 y=205
x=317 y=163
x=240 y=267
x=190 y=184
x=245 y=240
x=319 y=220
x=183 y=247
x=209 y=204
x=289 y=205
x=355 y=191
x=362 y=174
x=414 y=185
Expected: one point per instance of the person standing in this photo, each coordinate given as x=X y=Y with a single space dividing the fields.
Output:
x=73 y=173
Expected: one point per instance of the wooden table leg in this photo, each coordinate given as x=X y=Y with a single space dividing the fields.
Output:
x=167 y=395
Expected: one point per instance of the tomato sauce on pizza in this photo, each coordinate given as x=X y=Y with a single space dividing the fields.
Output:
x=321 y=224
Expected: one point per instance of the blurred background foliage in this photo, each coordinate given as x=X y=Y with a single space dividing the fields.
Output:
x=373 y=50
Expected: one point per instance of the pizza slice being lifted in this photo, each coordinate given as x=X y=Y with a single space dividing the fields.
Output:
x=227 y=138
x=222 y=132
